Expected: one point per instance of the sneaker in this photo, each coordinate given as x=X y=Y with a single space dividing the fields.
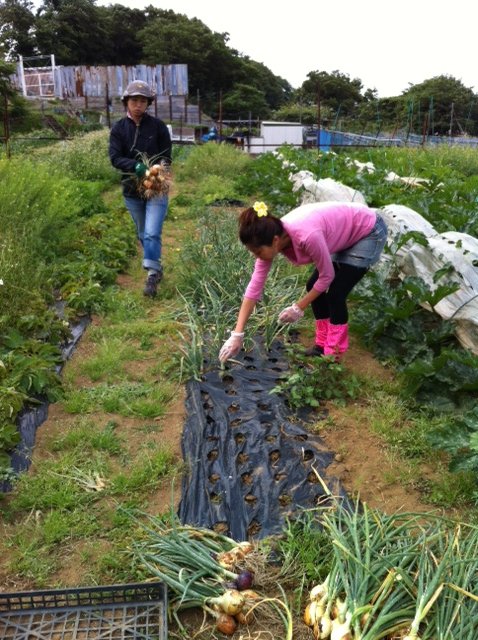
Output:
x=315 y=350
x=151 y=286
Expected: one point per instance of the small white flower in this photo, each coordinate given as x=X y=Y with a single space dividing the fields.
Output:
x=1 y=282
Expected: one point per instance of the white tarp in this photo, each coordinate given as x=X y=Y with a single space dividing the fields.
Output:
x=456 y=252
x=323 y=190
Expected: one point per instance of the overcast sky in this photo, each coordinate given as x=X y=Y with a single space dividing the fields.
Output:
x=387 y=45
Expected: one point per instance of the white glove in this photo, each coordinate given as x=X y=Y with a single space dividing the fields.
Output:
x=232 y=346
x=290 y=314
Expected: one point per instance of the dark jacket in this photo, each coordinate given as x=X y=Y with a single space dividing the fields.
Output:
x=128 y=141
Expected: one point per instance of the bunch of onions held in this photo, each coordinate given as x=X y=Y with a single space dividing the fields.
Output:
x=156 y=181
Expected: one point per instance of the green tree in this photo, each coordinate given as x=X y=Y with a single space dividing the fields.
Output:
x=304 y=113
x=72 y=30
x=277 y=91
x=16 y=28
x=442 y=105
x=122 y=26
x=335 y=90
x=16 y=105
x=6 y=70
x=245 y=100
x=171 y=38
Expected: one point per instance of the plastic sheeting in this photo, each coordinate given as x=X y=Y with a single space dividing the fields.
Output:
x=457 y=252
x=323 y=190
x=251 y=464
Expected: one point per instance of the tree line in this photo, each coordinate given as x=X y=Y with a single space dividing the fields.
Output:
x=226 y=82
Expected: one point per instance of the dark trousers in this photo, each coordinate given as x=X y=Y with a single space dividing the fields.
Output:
x=333 y=302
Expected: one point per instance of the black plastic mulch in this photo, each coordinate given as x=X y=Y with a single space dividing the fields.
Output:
x=251 y=463
x=32 y=417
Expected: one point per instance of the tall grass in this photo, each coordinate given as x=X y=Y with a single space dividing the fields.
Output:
x=211 y=159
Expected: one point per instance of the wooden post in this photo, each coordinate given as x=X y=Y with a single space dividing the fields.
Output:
x=199 y=108
x=450 y=133
x=425 y=130
x=108 y=105
x=220 y=115
x=318 y=115
x=6 y=128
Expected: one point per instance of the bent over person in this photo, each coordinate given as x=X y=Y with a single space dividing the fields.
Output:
x=340 y=239
x=140 y=144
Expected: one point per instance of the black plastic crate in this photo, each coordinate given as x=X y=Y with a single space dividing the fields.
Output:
x=113 y=612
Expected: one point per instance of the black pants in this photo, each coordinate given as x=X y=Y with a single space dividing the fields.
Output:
x=333 y=302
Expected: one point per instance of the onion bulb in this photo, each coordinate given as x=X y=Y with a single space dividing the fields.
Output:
x=320 y=590
x=244 y=580
x=325 y=624
x=231 y=601
x=246 y=547
x=313 y=612
x=341 y=630
x=307 y=618
x=245 y=617
x=226 y=624
x=226 y=559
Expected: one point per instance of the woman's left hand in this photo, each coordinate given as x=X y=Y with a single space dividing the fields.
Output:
x=291 y=314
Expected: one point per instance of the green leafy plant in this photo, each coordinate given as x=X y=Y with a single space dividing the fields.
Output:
x=458 y=437
x=311 y=384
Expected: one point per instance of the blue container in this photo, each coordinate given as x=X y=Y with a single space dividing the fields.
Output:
x=323 y=140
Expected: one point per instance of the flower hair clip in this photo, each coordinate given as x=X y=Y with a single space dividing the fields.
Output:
x=260 y=208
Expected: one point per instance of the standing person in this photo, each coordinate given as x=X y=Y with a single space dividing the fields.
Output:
x=341 y=239
x=136 y=138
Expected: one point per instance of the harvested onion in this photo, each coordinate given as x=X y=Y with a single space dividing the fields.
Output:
x=244 y=580
x=226 y=624
x=231 y=601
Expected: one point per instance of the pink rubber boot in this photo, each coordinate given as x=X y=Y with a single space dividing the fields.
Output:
x=337 y=341
x=321 y=329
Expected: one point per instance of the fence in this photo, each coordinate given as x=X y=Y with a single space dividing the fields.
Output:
x=325 y=139
x=98 y=81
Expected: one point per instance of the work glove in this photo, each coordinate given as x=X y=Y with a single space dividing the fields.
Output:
x=140 y=169
x=290 y=314
x=232 y=346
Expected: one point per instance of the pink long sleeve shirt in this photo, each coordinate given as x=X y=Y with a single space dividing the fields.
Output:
x=317 y=231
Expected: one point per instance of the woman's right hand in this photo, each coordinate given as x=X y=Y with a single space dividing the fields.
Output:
x=232 y=346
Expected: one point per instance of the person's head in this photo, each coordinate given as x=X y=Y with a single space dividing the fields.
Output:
x=260 y=231
x=137 y=96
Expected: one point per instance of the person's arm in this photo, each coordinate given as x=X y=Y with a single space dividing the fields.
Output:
x=253 y=293
x=247 y=307
x=309 y=297
x=117 y=154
